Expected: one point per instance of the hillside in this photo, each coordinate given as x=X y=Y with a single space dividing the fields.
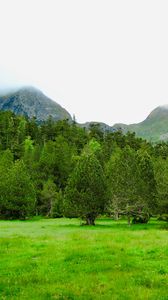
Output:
x=31 y=102
x=104 y=127
x=153 y=128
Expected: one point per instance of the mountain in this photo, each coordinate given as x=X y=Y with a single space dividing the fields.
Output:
x=154 y=128
x=104 y=127
x=31 y=102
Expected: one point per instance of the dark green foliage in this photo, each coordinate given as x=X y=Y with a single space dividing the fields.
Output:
x=147 y=188
x=51 y=200
x=161 y=175
x=17 y=198
x=85 y=194
x=47 y=197
x=57 y=205
x=161 y=150
x=56 y=161
x=141 y=219
x=163 y=217
x=122 y=177
x=51 y=154
x=131 y=184
x=96 y=132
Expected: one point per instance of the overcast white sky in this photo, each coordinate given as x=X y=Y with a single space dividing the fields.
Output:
x=102 y=60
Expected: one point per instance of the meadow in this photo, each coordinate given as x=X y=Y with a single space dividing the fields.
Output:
x=59 y=259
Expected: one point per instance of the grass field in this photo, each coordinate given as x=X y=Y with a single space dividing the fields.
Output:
x=58 y=259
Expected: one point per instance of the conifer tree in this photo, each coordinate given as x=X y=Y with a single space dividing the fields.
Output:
x=85 y=194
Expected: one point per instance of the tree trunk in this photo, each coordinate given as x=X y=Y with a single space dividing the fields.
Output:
x=49 y=213
x=129 y=220
x=116 y=215
x=90 y=221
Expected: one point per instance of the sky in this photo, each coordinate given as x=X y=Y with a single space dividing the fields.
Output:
x=102 y=60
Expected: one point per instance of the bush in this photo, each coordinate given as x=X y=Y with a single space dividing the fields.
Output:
x=141 y=219
x=163 y=217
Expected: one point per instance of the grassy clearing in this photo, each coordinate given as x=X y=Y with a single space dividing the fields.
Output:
x=58 y=259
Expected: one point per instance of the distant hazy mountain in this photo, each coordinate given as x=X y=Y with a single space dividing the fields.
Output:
x=102 y=126
x=31 y=102
x=153 y=128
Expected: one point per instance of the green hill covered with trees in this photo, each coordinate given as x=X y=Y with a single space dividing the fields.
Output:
x=154 y=128
x=58 y=169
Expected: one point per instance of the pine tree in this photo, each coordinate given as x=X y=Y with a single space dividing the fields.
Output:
x=18 y=194
x=161 y=176
x=85 y=193
x=123 y=181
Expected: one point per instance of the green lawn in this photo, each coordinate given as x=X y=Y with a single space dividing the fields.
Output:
x=58 y=259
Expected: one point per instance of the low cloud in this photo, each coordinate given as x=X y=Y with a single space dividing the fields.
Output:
x=165 y=106
x=4 y=90
x=8 y=83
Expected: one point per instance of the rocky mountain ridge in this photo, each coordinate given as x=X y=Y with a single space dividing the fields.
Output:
x=31 y=102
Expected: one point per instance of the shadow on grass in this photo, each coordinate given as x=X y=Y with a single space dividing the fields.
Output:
x=114 y=225
x=101 y=224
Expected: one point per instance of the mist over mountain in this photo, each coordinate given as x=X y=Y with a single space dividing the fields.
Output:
x=5 y=90
x=31 y=102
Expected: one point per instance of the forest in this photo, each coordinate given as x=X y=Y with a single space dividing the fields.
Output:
x=58 y=169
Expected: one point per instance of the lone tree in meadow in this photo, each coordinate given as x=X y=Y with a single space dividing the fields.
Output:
x=86 y=190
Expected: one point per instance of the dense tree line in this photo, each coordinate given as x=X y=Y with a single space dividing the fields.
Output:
x=59 y=169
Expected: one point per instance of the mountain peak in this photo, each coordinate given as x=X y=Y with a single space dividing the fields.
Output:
x=153 y=128
x=30 y=89
x=31 y=102
x=159 y=112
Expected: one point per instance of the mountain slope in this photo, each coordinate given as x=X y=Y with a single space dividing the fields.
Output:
x=104 y=127
x=31 y=102
x=153 y=128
